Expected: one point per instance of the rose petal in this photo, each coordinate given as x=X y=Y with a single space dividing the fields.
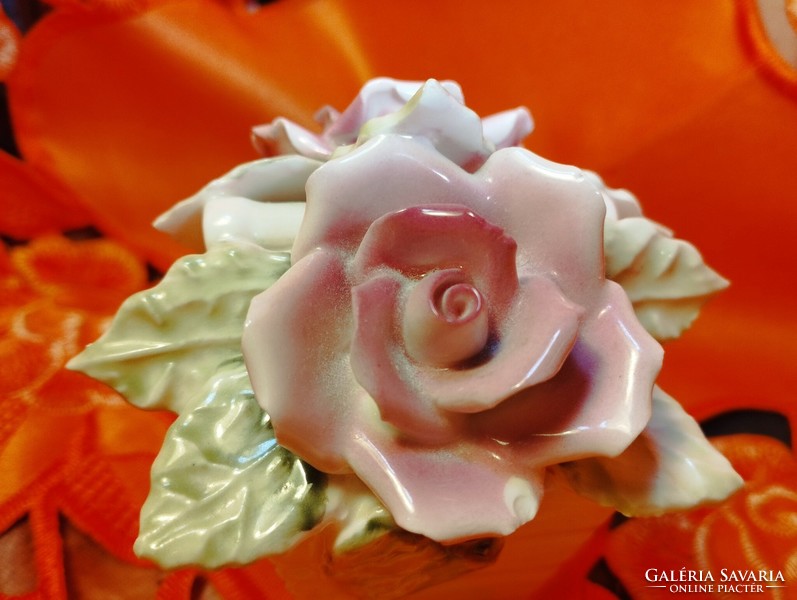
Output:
x=378 y=97
x=380 y=366
x=533 y=343
x=441 y=118
x=389 y=106
x=282 y=336
x=326 y=116
x=538 y=337
x=286 y=137
x=508 y=128
x=620 y=204
x=443 y=494
x=420 y=239
x=671 y=466
x=598 y=403
x=270 y=225
x=445 y=320
x=280 y=179
x=554 y=215
x=345 y=197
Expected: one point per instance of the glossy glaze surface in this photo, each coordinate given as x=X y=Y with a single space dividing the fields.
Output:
x=440 y=340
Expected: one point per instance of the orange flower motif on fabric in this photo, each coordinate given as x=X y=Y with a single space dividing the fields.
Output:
x=90 y=275
x=755 y=530
x=9 y=44
x=75 y=458
x=53 y=286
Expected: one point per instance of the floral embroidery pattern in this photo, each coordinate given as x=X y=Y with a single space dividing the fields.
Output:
x=751 y=532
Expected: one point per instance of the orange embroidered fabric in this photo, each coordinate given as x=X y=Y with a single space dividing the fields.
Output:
x=753 y=530
x=74 y=457
x=9 y=44
x=122 y=107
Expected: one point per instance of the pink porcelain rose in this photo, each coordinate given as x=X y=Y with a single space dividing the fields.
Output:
x=263 y=201
x=443 y=116
x=448 y=335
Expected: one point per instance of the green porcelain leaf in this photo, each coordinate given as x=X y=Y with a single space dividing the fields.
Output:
x=360 y=517
x=165 y=342
x=664 y=277
x=671 y=466
x=223 y=491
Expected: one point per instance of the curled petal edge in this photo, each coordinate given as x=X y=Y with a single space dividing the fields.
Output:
x=445 y=496
x=379 y=97
x=607 y=376
x=373 y=343
x=280 y=179
x=434 y=113
x=270 y=225
x=508 y=128
x=421 y=239
x=285 y=137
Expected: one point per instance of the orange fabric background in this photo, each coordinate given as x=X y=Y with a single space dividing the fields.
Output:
x=122 y=108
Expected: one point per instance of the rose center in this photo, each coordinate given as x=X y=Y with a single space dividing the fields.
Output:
x=445 y=320
x=459 y=303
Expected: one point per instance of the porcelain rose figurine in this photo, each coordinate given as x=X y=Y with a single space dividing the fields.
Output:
x=411 y=321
